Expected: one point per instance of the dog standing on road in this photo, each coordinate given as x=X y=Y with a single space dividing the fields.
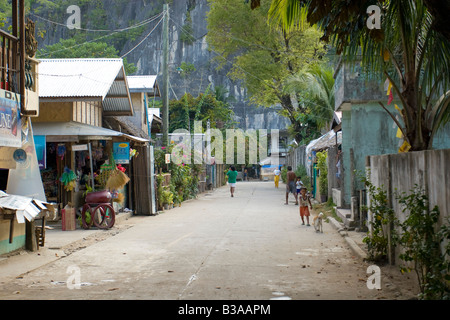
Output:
x=317 y=222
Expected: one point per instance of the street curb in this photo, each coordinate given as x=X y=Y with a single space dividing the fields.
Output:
x=353 y=245
x=123 y=216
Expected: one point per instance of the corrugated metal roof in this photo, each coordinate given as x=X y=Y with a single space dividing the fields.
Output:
x=72 y=128
x=143 y=83
x=99 y=78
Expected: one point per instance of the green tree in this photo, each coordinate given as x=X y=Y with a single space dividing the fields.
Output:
x=263 y=58
x=411 y=50
x=69 y=48
x=314 y=88
x=205 y=107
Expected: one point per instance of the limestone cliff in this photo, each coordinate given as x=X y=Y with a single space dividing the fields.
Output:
x=187 y=38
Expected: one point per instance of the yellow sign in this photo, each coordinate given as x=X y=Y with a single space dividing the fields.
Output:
x=404 y=147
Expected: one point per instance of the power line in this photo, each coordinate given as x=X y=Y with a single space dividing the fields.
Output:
x=102 y=37
x=138 y=25
x=144 y=37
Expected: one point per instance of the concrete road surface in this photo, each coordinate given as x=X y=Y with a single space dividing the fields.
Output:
x=251 y=246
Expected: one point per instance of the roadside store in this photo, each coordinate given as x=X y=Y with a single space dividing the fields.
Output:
x=73 y=158
x=75 y=149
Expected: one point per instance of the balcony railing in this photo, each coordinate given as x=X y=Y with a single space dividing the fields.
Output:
x=9 y=62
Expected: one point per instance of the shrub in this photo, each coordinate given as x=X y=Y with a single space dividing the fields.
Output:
x=421 y=241
x=322 y=165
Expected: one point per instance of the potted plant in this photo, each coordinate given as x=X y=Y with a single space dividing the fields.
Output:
x=167 y=198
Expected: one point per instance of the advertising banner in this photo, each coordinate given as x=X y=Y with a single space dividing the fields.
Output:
x=121 y=152
x=10 y=133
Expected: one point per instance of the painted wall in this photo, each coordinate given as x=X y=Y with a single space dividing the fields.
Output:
x=18 y=234
x=368 y=130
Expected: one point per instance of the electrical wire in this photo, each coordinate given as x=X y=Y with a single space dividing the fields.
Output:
x=138 y=25
x=162 y=18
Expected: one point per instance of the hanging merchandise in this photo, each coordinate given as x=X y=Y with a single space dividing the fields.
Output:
x=133 y=153
x=97 y=153
x=105 y=171
x=69 y=179
x=61 y=150
x=118 y=179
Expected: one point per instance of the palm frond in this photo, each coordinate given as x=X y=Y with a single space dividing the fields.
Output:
x=289 y=15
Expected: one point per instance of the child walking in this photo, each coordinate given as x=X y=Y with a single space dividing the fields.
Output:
x=304 y=201
x=298 y=184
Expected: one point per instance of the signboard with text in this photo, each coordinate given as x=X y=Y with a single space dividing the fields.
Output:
x=121 y=152
x=10 y=125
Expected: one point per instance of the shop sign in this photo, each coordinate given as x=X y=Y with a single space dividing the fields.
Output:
x=121 y=152
x=10 y=133
x=80 y=147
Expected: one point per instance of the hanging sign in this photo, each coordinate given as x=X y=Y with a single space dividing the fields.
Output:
x=10 y=133
x=121 y=152
x=80 y=147
x=167 y=157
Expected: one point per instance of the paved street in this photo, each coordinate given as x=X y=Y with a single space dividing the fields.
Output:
x=216 y=247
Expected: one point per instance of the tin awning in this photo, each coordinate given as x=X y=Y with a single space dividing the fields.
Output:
x=75 y=131
x=24 y=207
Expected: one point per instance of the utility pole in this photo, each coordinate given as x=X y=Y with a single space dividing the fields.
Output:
x=165 y=67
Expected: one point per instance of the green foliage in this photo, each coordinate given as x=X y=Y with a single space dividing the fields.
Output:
x=422 y=239
x=70 y=48
x=186 y=69
x=262 y=57
x=205 y=107
x=314 y=89
x=382 y=223
x=184 y=178
x=425 y=246
x=303 y=174
x=322 y=165
x=187 y=30
x=408 y=49
x=284 y=174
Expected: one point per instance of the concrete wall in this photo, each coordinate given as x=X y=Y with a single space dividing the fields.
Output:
x=366 y=130
x=398 y=173
x=18 y=234
x=401 y=172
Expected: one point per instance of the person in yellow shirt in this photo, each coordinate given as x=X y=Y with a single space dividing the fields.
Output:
x=276 y=177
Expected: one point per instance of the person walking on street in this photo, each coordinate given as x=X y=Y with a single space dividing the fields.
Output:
x=290 y=185
x=304 y=201
x=276 y=176
x=232 y=175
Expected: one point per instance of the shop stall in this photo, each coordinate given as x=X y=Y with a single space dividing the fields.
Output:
x=78 y=158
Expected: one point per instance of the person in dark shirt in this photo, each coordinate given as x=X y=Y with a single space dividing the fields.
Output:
x=290 y=185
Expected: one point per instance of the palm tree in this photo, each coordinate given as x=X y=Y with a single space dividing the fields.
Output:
x=316 y=89
x=408 y=51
